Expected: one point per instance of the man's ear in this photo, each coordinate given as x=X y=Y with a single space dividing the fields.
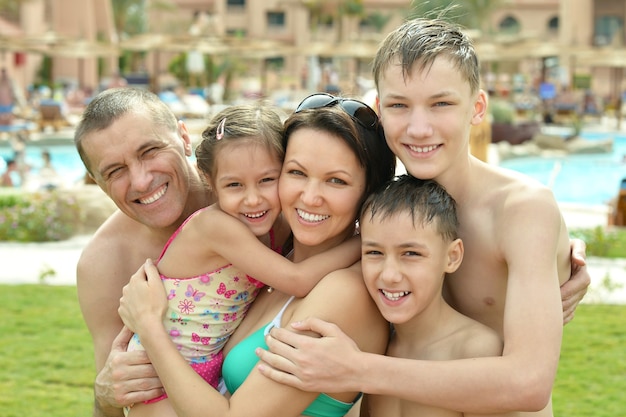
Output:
x=455 y=255
x=184 y=134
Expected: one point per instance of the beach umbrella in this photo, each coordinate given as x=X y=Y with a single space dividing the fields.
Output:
x=79 y=49
x=360 y=49
x=145 y=42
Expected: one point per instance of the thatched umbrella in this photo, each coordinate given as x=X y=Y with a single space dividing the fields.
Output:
x=79 y=49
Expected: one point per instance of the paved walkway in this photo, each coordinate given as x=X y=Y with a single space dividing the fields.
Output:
x=26 y=263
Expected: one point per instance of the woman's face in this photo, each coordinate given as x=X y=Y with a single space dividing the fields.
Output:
x=320 y=188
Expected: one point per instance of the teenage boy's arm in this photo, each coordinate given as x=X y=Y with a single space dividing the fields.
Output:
x=520 y=380
x=574 y=289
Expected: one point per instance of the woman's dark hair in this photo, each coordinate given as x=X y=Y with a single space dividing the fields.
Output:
x=368 y=144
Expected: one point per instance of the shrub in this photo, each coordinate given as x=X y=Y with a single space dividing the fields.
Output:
x=502 y=111
x=602 y=242
x=38 y=217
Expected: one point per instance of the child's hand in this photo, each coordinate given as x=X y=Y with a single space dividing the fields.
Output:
x=144 y=301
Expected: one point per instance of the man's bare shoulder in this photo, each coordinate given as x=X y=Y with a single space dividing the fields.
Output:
x=112 y=236
x=117 y=248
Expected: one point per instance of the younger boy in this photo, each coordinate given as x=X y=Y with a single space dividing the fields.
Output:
x=409 y=244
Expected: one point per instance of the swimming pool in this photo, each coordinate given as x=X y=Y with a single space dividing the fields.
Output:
x=63 y=156
x=590 y=179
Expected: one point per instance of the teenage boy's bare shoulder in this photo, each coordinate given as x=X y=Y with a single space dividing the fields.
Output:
x=503 y=189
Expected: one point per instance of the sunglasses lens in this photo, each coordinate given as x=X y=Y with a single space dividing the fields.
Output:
x=361 y=112
x=315 y=101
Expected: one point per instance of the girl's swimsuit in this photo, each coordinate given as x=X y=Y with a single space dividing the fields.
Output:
x=241 y=360
x=203 y=311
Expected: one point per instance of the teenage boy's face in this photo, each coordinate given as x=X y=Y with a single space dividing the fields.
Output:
x=403 y=265
x=427 y=116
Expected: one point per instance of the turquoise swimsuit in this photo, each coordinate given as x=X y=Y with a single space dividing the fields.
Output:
x=241 y=360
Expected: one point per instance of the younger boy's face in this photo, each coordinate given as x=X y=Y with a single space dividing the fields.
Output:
x=404 y=264
x=427 y=116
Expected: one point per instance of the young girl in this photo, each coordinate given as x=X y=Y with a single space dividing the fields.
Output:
x=202 y=264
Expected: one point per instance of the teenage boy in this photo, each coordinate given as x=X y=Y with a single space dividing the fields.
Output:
x=427 y=76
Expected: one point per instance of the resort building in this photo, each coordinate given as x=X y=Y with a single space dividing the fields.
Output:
x=523 y=44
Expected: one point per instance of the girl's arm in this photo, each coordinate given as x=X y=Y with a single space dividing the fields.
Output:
x=191 y=396
x=236 y=243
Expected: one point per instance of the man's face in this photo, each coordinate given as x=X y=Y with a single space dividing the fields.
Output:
x=143 y=168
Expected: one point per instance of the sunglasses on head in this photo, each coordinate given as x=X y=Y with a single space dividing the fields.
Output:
x=359 y=111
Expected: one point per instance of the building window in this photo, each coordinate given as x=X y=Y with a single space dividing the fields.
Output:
x=553 y=24
x=276 y=19
x=236 y=3
x=275 y=64
x=509 y=25
x=606 y=28
x=236 y=33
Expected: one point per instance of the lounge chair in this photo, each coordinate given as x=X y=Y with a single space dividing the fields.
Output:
x=50 y=114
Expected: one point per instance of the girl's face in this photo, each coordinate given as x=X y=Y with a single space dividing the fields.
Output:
x=246 y=185
x=320 y=188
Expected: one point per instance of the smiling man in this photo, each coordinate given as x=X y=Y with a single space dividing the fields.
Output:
x=137 y=152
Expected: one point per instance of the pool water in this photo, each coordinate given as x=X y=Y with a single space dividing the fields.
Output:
x=64 y=159
x=591 y=179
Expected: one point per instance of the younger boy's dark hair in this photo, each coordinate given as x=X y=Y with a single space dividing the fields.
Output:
x=425 y=200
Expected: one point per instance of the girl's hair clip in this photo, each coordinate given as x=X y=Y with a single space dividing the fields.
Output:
x=219 y=133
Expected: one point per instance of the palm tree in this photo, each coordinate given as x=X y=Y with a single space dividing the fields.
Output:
x=10 y=9
x=473 y=14
x=332 y=11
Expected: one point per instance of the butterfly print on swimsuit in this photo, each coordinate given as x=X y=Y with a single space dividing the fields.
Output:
x=175 y=318
x=230 y=317
x=223 y=291
x=195 y=294
x=195 y=337
x=175 y=333
x=214 y=314
x=242 y=296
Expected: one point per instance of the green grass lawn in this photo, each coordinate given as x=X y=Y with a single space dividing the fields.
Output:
x=46 y=365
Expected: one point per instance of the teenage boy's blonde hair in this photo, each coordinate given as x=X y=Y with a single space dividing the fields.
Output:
x=420 y=41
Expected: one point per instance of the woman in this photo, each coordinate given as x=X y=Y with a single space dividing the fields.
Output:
x=335 y=155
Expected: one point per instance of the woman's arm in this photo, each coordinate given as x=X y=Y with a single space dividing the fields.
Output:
x=142 y=308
